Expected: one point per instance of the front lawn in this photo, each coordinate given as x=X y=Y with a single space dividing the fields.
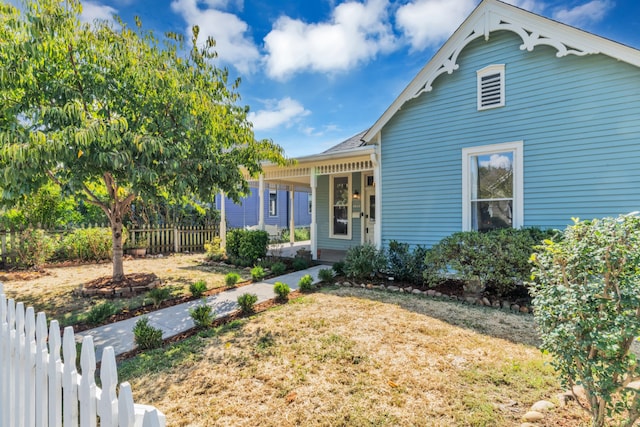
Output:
x=354 y=357
x=52 y=290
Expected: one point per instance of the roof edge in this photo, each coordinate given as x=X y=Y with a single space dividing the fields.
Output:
x=494 y=15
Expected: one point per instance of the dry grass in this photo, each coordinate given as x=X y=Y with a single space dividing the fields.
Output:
x=52 y=291
x=354 y=357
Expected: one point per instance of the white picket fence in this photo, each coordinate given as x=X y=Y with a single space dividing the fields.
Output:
x=38 y=389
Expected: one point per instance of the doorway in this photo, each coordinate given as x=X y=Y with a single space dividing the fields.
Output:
x=369 y=209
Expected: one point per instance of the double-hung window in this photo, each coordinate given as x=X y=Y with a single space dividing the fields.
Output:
x=492 y=186
x=340 y=205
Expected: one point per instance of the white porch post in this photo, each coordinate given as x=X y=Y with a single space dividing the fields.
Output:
x=292 y=222
x=261 y=205
x=377 y=227
x=314 y=206
x=223 y=223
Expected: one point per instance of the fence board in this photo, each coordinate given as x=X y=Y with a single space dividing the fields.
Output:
x=38 y=389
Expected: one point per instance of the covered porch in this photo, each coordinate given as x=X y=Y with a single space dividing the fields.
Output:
x=343 y=184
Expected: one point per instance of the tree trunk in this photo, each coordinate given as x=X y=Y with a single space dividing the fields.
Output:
x=116 y=234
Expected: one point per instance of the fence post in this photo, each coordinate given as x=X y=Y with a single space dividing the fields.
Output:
x=69 y=380
x=176 y=239
x=30 y=368
x=41 y=383
x=55 y=376
x=20 y=363
x=87 y=388
x=126 y=412
x=108 y=407
x=4 y=360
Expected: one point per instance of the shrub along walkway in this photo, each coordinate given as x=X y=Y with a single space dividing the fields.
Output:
x=176 y=319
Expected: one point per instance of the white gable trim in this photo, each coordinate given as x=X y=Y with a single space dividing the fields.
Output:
x=493 y=15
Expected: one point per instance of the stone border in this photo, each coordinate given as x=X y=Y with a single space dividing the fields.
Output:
x=477 y=300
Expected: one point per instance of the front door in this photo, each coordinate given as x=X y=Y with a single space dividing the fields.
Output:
x=369 y=210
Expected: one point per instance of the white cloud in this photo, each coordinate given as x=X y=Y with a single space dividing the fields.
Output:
x=584 y=14
x=277 y=113
x=233 y=45
x=426 y=23
x=356 y=33
x=498 y=161
x=92 y=11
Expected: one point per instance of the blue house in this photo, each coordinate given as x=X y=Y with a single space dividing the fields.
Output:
x=276 y=209
x=517 y=121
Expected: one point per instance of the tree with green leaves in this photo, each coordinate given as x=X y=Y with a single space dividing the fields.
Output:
x=116 y=114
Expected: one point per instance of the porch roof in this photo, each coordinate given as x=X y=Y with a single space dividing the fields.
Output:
x=348 y=156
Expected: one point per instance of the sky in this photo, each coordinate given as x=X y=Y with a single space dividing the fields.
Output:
x=316 y=72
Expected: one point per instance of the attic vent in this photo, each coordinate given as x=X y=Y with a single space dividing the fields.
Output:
x=491 y=87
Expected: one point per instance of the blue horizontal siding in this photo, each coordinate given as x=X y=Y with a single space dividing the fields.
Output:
x=245 y=213
x=578 y=118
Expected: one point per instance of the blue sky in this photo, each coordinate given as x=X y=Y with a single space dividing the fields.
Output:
x=315 y=72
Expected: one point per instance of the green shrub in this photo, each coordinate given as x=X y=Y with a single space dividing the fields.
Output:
x=326 y=275
x=338 y=267
x=586 y=292
x=145 y=335
x=405 y=264
x=299 y=264
x=305 y=284
x=282 y=290
x=278 y=268
x=203 y=315
x=247 y=246
x=257 y=273
x=101 y=312
x=157 y=295
x=498 y=258
x=214 y=250
x=300 y=234
x=231 y=279
x=35 y=248
x=198 y=288
x=362 y=262
x=246 y=302
x=86 y=244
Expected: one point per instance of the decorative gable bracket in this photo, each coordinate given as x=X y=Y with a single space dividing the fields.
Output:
x=492 y=18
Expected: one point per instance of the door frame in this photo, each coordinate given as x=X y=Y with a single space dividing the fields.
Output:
x=366 y=192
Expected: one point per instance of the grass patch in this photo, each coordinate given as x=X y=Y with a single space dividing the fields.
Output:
x=351 y=357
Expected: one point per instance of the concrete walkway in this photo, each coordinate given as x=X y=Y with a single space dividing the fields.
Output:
x=176 y=319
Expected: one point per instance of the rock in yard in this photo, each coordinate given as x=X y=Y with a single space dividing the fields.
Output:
x=533 y=416
x=542 y=406
x=431 y=293
x=393 y=288
x=416 y=291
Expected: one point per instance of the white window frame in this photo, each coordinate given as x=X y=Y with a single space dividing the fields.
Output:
x=331 y=205
x=516 y=148
x=486 y=71
x=274 y=213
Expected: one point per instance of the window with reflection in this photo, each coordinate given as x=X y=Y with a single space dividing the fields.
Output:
x=340 y=206
x=491 y=191
x=493 y=186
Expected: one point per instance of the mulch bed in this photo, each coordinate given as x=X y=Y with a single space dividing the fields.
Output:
x=260 y=307
x=107 y=284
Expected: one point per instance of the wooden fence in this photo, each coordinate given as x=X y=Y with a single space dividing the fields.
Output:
x=156 y=238
x=38 y=389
